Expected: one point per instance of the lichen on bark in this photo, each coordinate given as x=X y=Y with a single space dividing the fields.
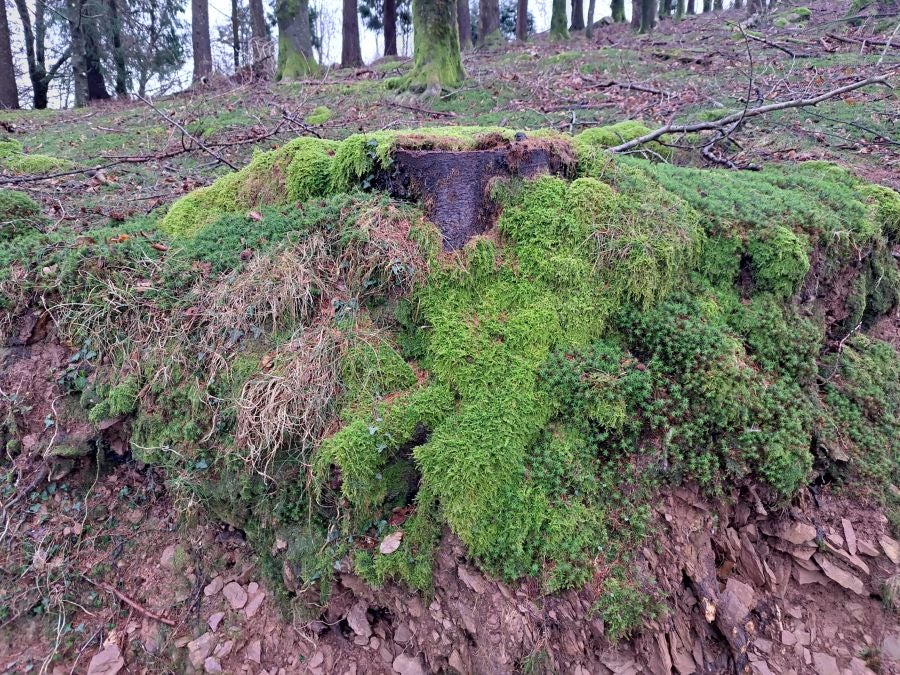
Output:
x=295 y=54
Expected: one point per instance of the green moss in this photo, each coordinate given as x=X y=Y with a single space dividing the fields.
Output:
x=886 y=204
x=779 y=260
x=319 y=115
x=24 y=164
x=19 y=214
x=122 y=399
x=591 y=144
x=624 y=607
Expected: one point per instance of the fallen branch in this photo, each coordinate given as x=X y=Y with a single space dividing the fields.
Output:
x=775 y=45
x=187 y=133
x=745 y=114
x=131 y=603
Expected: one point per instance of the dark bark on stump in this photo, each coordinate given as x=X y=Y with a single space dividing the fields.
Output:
x=455 y=186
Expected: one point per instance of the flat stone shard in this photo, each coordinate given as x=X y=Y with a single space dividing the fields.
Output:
x=454 y=186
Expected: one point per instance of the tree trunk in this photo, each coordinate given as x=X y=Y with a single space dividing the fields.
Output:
x=635 y=15
x=648 y=15
x=717 y=5
x=91 y=19
x=464 y=23
x=9 y=92
x=665 y=9
x=351 y=56
x=577 y=15
x=738 y=4
x=488 y=21
x=79 y=62
x=436 y=59
x=691 y=7
x=679 y=9
x=589 y=28
x=559 y=21
x=115 y=30
x=390 y=27
x=522 y=20
x=259 y=32
x=236 y=34
x=295 y=53
x=707 y=6
x=200 y=39
x=617 y=10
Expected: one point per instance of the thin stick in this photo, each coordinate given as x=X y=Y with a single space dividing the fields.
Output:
x=131 y=603
x=187 y=133
x=743 y=114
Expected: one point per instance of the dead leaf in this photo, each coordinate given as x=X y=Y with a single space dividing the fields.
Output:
x=391 y=543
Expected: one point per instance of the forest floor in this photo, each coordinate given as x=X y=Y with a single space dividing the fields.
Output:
x=177 y=595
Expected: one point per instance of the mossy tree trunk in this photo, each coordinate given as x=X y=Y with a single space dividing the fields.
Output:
x=522 y=20
x=351 y=55
x=617 y=9
x=488 y=21
x=464 y=22
x=559 y=21
x=577 y=15
x=648 y=15
x=436 y=59
x=295 y=53
x=589 y=27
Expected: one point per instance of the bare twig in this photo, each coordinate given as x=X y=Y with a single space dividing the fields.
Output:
x=131 y=603
x=187 y=133
x=744 y=114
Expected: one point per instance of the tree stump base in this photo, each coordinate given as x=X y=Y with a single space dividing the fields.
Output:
x=455 y=186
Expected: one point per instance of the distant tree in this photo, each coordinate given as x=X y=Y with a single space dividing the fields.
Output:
x=559 y=21
x=691 y=7
x=665 y=9
x=79 y=59
x=117 y=47
x=523 y=30
x=679 y=9
x=34 y=35
x=509 y=20
x=464 y=23
x=9 y=92
x=488 y=20
x=707 y=6
x=648 y=15
x=154 y=40
x=236 y=33
x=617 y=10
x=295 y=45
x=202 y=49
x=589 y=28
x=636 y=15
x=577 y=15
x=259 y=32
x=436 y=58
x=351 y=55
x=717 y=5
x=386 y=16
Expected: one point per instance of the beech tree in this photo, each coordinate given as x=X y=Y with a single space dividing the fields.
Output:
x=200 y=39
x=436 y=58
x=648 y=15
x=522 y=20
x=559 y=21
x=9 y=92
x=295 y=49
x=351 y=55
x=488 y=20
x=259 y=32
x=464 y=24
x=589 y=27
x=577 y=15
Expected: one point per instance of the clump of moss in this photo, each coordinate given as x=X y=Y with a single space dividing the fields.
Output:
x=591 y=144
x=19 y=213
x=15 y=160
x=319 y=115
x=886 y=204
x=779 y=260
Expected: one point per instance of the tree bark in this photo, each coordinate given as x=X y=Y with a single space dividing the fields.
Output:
x=9 y=92
x=464 y=24
x=635 y=15
x=295 y=53
x=200 y=39
x=79 y=62
x=351 y=56
x=648 y=15
x=617 y=10
x=691 y=7
x=679 y=9
x=717 y=5
x=488 y=20
x=559 y=21
x=436 y=59
x=91 y=16
x=522 y=20
x=589 y=27
x=707 y=6
x=390 y=27
x=115 y=31
x=577 y=15
x=236 y=34
x=259 y=32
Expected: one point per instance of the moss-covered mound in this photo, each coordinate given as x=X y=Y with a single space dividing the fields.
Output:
x=14 y=160
x=306 y=363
